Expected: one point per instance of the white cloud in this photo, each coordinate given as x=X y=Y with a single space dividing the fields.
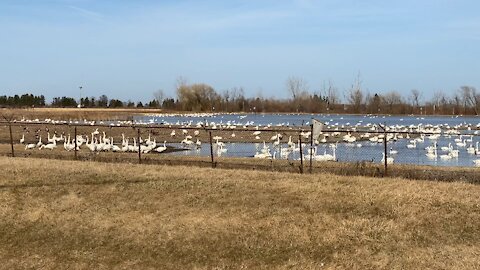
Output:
x=87 y=13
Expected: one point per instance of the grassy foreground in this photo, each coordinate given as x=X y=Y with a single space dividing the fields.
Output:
x=64 y=214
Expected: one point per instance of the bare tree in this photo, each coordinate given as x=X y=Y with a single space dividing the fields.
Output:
x=439 y=101
x=392 y=98
x=159 y=95
x=331 y=94
x=297 y=87
x=226 y=97
x=355 y=95
x=415 y=98
x=181 y=80
x=470 y=98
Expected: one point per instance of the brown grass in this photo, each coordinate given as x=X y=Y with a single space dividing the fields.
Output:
x=77 y=114
x=63 y=214
x=418 y=172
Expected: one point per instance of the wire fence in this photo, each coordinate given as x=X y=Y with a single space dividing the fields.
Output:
x=425 y=155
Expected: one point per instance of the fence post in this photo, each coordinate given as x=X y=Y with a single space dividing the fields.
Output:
x=301 y=153
x=139 y=152
x=11 y=137
x=211 y=149
x=385 y=148
x=311 y=148
x=75 y=139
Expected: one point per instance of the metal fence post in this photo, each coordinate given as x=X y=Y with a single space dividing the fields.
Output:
x=211 y=149
x=311 y=148
x=301 y=153
x=75 y=139
x=11 y=138
x=139 y=147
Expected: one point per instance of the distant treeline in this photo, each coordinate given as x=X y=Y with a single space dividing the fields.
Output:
x=202 y=97
x=22 y=101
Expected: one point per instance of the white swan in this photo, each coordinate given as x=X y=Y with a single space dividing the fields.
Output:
x=105 y=139
x=30 y=146
x=446 y=148
x=90 y=145
x=432 y=155
x=50 y=140
x=471 y=149
x=49 y=146
x=162 y=148
x=125 y=146
x=39 y=143
x=389 y=159
x=446 y=156
x=412 y=145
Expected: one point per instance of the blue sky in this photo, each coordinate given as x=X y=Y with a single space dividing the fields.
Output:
x=128 y=49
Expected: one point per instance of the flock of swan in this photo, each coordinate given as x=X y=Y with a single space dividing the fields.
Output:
x=96 y=142
x=458 y=138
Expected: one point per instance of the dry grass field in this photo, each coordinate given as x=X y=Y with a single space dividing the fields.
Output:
x=77 y=114
x=87 y=215
x=417 y=172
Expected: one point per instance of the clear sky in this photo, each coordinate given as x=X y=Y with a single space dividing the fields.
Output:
x=128 y=49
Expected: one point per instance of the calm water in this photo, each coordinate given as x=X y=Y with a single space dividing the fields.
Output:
x=345 y=151
x=304 y=119
x=348 y=152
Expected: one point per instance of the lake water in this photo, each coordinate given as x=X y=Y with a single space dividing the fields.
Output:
x=305 y=119
x=366 y=151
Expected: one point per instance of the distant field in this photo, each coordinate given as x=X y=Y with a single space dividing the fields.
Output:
x=77 y=114
x=64 y=214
